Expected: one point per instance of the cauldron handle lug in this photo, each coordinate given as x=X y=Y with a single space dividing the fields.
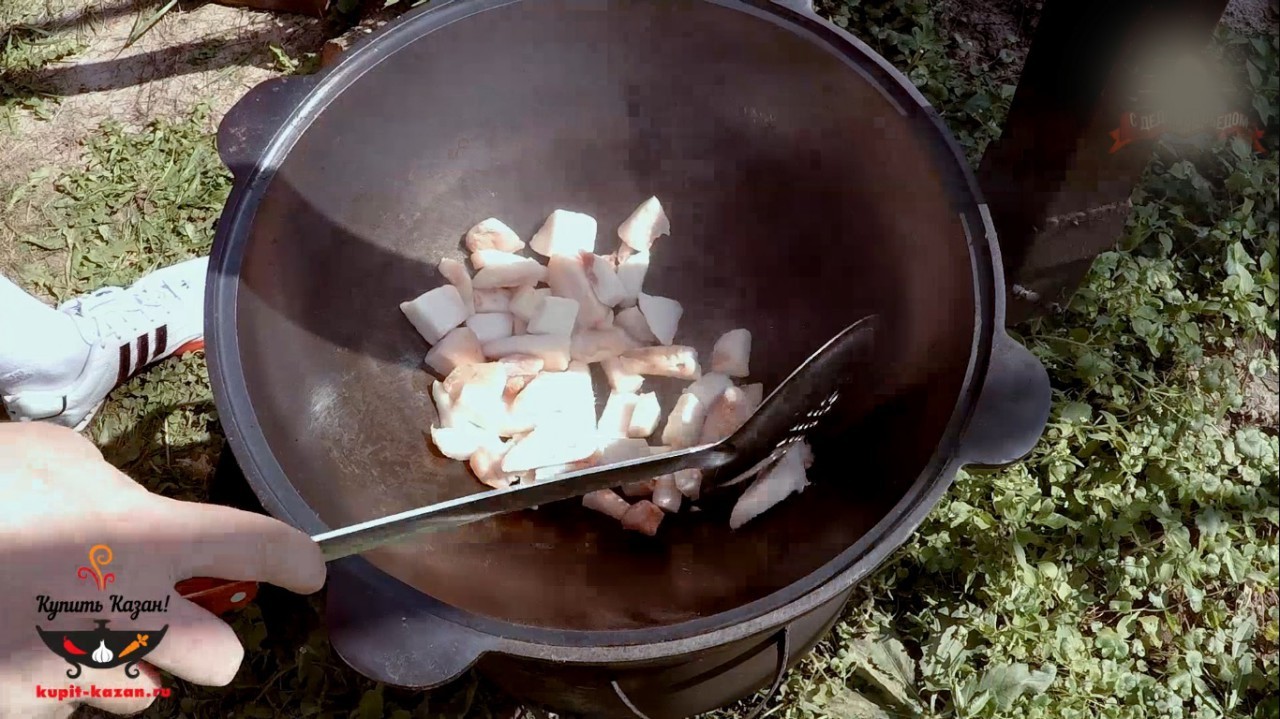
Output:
x=1012 y=409
x=249 y=126
x=388 y=632
x=804 y=7
x=781 y=641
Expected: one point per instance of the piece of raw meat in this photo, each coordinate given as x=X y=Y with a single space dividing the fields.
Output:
x=492 y=234
x=647 y=223
x=731 y=354
x=436 y=312
x=565 y=233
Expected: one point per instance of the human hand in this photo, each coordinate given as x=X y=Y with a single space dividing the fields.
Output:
x=58 y=500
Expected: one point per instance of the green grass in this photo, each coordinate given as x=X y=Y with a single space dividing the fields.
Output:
x=1128 y=569
x=25 y=47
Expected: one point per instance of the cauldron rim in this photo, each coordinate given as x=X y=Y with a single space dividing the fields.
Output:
x=301 y=103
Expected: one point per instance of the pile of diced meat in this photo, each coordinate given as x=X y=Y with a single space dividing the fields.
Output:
x=513 y=344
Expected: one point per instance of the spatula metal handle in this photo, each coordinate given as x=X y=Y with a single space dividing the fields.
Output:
x=220 y=596
x=359 y=538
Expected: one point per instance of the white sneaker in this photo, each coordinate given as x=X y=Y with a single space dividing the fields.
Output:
x=128 y=330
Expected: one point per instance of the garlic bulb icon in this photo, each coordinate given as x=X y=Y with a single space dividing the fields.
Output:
x=102 y=655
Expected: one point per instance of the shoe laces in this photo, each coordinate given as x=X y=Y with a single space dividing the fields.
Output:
x=112 y=314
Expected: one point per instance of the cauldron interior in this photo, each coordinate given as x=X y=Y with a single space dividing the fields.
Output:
x=801 y=199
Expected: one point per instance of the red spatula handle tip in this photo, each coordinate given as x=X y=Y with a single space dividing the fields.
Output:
x=217 y=595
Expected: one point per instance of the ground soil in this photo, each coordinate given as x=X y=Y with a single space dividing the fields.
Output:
x=196 y=53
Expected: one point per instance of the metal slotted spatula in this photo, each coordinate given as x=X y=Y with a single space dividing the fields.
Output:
x=792 y=412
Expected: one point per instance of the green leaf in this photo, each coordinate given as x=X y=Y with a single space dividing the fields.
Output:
x=884 y=662
x=1251 y=442
x=1255 y=75
x=371 y=705
x=853 y=705
x=943 y=654
x=45 y=242
x=1076 y=412
x=1210 y=522
x=1008 y=682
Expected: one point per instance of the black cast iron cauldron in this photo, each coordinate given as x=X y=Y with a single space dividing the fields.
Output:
x=808 y=185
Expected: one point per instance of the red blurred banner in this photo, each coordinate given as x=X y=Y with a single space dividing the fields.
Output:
x=1133 y=127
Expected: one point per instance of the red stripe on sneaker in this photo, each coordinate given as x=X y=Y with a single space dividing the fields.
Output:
x=126 y=365
x=144 y=352
x=162 y=340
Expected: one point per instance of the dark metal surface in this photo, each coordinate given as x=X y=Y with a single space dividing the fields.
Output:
x=1058 y=194
x=794 y=411
x=830 y=227
x=1013 y=409
x=808 y=185
x=781 y=644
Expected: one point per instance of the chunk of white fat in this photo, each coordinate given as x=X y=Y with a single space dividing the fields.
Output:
x=727 y=413
x=525 y=271
x=486 y=464
x=645 y=416
x=481 y=259
x=556 y=317
x=547 y=446
x=460 y=442
x=563 y=401
x=689 y=482
x=643 y=488
x=709 y=387
x=553 y=350
x=477 y=391
x=495 y=300
x=678 y=361
x=684 y=424
x=644 y=517
x=444 y=406
x=731 y=354
x=580 y=399
x=460 y=347
x=455 y=273
x=542 y=474
x=492 y=234
x=647 y=223
x=527 y=301
x=775 y=483
x=565 y=233
x=522 y=365
x=607 y=501
x=619 y=379
x=600 y=345
x=568 y=278
x=603 y=277
x=631 y=273
x=436 y=312
x=632 y=320
x=490 y=326
x=622 y=449
x=663 y=315
x=666 y=495
x=615 y=418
